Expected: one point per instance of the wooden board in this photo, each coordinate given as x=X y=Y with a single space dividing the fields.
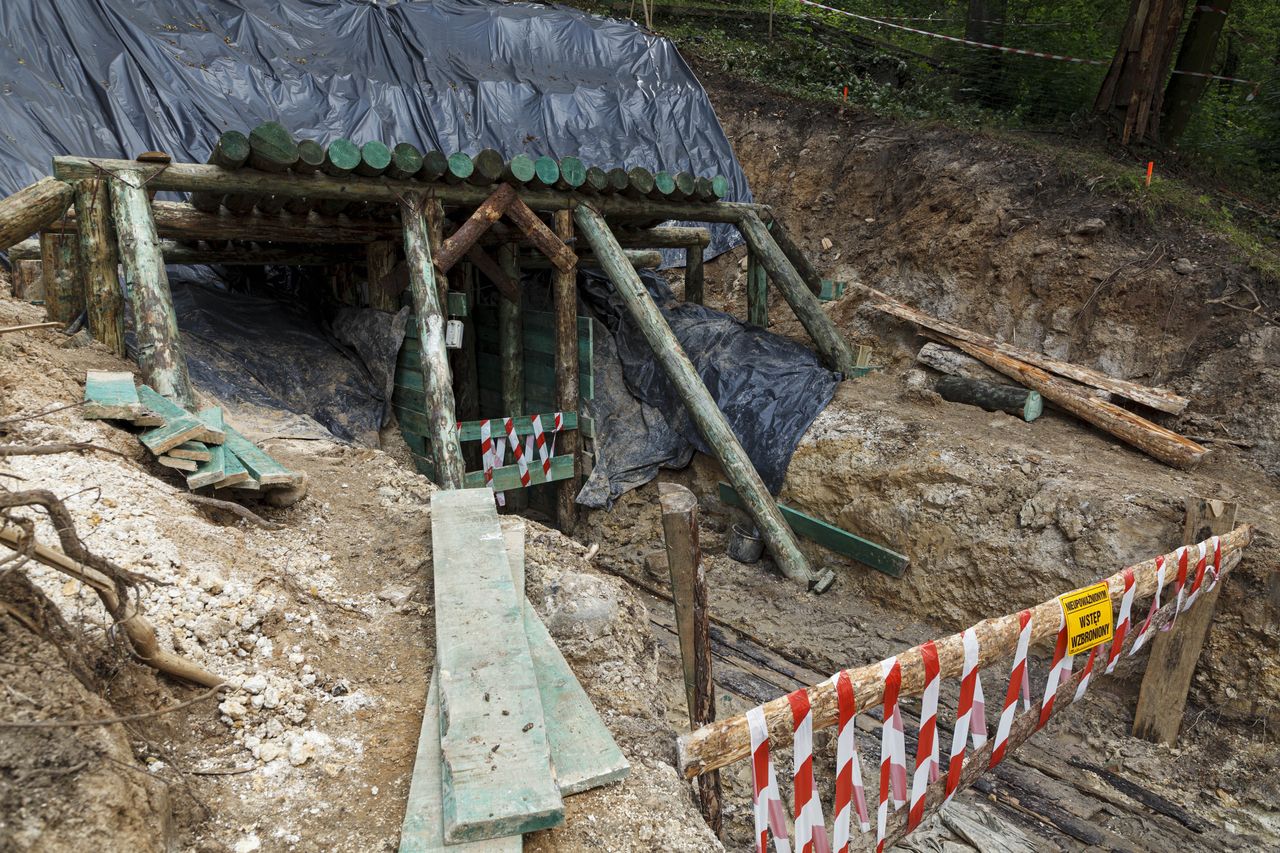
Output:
x=196 y=451
x=169 y=410
x=111 y=394
x=1174 y=653
x=497 y=778
x=261 y=467
x=833 y=538
x=177 y=463
x=423 y=827
x=178 y=425
x=507 y=477
x=214 y=470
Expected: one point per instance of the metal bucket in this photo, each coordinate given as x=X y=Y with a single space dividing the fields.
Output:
x=745 y=544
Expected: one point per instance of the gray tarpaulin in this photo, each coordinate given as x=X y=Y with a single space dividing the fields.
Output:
x=113 y=78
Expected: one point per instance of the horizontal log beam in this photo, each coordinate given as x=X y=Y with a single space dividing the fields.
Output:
x=193 y=177
x=664 y=237
x=32 y=209
x=240 y=254
x=647 y=259
x=723 y=742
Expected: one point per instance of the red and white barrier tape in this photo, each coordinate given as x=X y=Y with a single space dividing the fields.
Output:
x=517 y=451
x=1019 y=682
x=927 y=743
x=1122 y=622
x=1217 y=561
x=893 y=750
x=1059 y=672
x=1155 y=605
x=1087 y=674
x=811 y=828
x=965 y=712
x=769 y=817
x=850 y=793
x=540 y=441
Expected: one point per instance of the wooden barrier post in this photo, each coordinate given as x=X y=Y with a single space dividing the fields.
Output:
x=564 y=295
x=693 y=275
x=466 y=382
x=99 y=264
x=160 y=352
x=511 y=350
x=835 y=350
x=1174 y=653
x=702 y=407
x=689 y=593
x=437 y=383
x=757 y=292
x=63 y=293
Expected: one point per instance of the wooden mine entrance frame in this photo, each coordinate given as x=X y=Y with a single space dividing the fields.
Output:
x=115 y=197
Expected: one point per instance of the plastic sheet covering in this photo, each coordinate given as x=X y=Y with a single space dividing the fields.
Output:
x=769 y=388
x=113 y=78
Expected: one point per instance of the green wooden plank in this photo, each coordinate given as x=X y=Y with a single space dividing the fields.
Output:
x=833 y=538
x=523 y=425
x=508 y=476
x=195 y=451
x=215 y=469
x=423 y=827
x=179 y=426
x=497 y=778
x=111 y=394
x=264 y=469
x=831 y=290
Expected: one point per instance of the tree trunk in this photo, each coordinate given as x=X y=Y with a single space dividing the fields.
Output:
x=985 y=23
x=1196 y=56
x=1132 y=92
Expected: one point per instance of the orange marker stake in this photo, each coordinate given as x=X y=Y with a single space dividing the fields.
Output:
x=1151 y=165
x=846 y=93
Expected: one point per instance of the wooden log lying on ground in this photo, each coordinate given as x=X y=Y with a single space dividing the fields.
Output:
x=726 y=741
x=952 y=362
x=1152 y=439
x=1156 y=398
x=456 y=245
x=32 y=209
x=993 y=397
x=710 y=421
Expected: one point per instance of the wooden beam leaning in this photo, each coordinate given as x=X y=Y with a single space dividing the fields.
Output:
x=1174 y=653
x=757 y=292
x=694 y=275
x=1152 y=439
x=456 y=245
x=99 y=264
x=693 y=393
x=830 y=343
x=1155 y=398
x=189 y=177
x=564 y=297
x=492 y=270
x=799 y=260
x=437 y=381
x=33 y=209
x=543 y=238
x=726 y=741
x=159 y=345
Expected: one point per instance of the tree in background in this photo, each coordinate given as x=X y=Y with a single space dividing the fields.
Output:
x=1196 y=57
x=984 y=22
x=1132 y=93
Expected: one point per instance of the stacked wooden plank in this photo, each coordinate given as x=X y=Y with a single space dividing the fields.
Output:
x=507 y=730
x=200 y=444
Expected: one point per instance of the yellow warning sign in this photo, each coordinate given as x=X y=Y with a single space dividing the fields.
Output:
x=1088 y=615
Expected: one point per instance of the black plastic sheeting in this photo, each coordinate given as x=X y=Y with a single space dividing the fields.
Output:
x=113 y=78
x=769 y=388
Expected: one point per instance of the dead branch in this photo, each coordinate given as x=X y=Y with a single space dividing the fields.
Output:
x=50 y=449
x=229 y=506
x=108 y=721
x=40 y=414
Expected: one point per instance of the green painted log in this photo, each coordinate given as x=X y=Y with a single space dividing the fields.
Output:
x=694 y=276
x=271 y=148
x=833 y=538
x=797 y=257
x=564 y=296
x=639 y=183
x=375 y=157
x=231 y=151
x=99 y=264
x=702 y=408
x=340 y=159
x=486 y=168
x=406 y=161
x=519 y=169
x=437 y=380
x=596 y=180
x=572 y=174
x=546 y=171
x=703 y=189
x=719 y=188
x=664 y=185
x=618 y=180
x=686 y=185
x=434 y=166
x=310 y=157
x=828 y=340
x=757 y=293
x=1013 y=400
x=60 y=269
x=460 y=168
x=155 y=325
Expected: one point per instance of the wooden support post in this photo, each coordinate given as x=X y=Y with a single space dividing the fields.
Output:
x=693 y=275
x=437 y=383
x=63 y=294
x=757 y=292
x=435 y=234
x=689 y=593
x=466 y=235
x=702 y=408
x=384 y=286
x=159 y=346
x=31 y=209
x=564 y=296
x=799 y=260
x=99 y=264
x=465 y=373
x=543 y=238
x=1174 y=653
x=835 y=350
x=511 y=352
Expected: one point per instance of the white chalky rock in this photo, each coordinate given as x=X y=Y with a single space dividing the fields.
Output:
x=270 y=751
x=233 y=707
x=248 y=844
x=270 y=698
x=256 y=683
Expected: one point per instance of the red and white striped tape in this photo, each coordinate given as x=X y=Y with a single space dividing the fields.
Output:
x=490 y=458
x=1059 y=672
x=893 y=749
x=1087 y=674
x=927 y=743
x=1145 y=632
x=966 y=713
x=850 y=793
x=1122 y=622
x=1179 y=586
x=811 y=828
x=540 y=441
x=517 y=451
x=1019 y=682
x=1196 y=584
x=1217 y=561
x=769 y=817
